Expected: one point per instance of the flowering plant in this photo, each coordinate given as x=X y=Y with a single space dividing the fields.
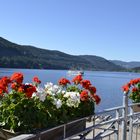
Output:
x=133 y=87
x=27 y=107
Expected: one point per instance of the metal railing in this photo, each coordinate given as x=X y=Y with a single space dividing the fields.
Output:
x=118 y=123
x=124 y=124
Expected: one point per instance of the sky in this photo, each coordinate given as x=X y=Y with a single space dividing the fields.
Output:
x=106 y=28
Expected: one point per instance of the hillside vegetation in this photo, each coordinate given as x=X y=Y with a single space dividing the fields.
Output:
x=23 y=56
x=128 y=65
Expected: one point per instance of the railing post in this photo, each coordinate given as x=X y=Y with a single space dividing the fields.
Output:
x=131 y=123
x=124 y=115
x=116 y=135
x=64 y=133
x=93 y=125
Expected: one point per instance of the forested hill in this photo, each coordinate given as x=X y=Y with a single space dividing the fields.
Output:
x=23 y=56
x=128 y=65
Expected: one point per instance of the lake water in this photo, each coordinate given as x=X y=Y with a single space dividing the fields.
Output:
x=108 y=84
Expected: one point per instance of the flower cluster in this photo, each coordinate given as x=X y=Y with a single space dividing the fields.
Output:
x=15 y=81
x=133 y=87
x=25 y=107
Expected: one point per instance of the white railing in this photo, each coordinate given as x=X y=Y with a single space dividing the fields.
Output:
x=118 y=123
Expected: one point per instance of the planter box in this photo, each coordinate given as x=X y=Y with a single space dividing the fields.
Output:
x=136 y=108
x=75 y=128
x=56 y=133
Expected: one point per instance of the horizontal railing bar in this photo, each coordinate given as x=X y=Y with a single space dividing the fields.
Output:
x=134 y=114
x=136 y=123
x=77 y=120
x=109 y=110
x=105 y=134
x=130 y=105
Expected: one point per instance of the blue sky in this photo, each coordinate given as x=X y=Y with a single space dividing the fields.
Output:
x=106 y=28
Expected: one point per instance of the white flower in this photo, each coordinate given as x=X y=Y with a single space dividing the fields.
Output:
x=72 y=95
x=40 y=93
x=48 y=85
x=67 y=94
x=28 y=83
x=73 y=99
x=34 y=94
x=63 y=91
x=42 y=97
x=52 y=89
x=57 y=103
x=73 y=103
x=40 y=90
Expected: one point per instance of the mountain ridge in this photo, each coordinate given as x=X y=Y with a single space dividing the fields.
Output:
x=128 y=65
x=13 y=55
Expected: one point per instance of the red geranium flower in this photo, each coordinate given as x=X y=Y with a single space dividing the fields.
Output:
x=85 y=83
x=3 y=89
x=63 y=82
x=5 y=80
x=21 y=89
x=36 y=80
x=17 y=77
x=126 y=88
x=28 y=89
x=84 y=95
x=134 y=89
x=77 y=79
x=92 y=89
x=14 y=86
x=134 y=81
x=96 y=98
x=1 y=92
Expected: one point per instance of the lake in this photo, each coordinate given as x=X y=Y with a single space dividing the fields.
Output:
x=108 y=84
